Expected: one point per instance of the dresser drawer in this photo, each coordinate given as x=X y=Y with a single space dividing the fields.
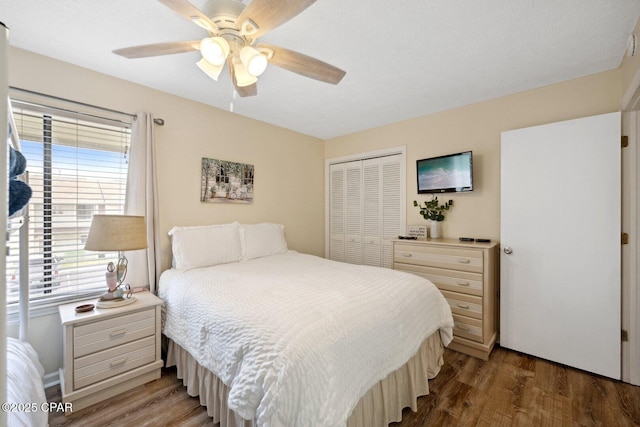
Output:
x=108 y=363
x=449 y=280
x=467 y=327
x=449 y=258
x=466 y=305
x=101 y=335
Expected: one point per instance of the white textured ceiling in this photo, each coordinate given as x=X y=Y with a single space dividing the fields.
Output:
x=403 y=58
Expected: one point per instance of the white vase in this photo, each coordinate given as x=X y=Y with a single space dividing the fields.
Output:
x=436 y=230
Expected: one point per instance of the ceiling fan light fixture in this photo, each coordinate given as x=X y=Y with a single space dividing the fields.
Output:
x=243 y=78
x=253 y=61
x=215 y=50
x=210 y=70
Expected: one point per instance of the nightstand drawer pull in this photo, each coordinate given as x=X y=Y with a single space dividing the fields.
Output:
x=406 y=254
x=462 y=327
x=118 y=362
x=463 y=283
x=465 y=306
x=118 y=332
x=464 y=260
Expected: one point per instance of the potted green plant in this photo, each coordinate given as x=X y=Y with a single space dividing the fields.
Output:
x=433 y=211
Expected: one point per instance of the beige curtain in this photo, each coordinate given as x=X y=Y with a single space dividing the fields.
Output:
x=142 y=199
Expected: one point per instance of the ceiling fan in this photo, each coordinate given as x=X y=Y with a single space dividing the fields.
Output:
x=233 y=30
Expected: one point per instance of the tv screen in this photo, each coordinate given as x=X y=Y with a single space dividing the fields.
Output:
x=445 y=174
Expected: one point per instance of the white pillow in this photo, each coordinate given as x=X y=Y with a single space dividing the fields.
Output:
x=205 y=246
x=260 y=240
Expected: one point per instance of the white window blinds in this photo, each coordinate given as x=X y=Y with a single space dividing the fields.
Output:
x=77 y=166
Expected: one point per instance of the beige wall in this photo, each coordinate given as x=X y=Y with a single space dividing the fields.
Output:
x=630 y=67
x=477 y=127
x=288 y=165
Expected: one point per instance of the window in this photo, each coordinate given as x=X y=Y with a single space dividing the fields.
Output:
x=77 y=166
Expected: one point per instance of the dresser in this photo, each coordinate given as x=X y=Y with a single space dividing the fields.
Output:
x=109 y=351
x=467 y=275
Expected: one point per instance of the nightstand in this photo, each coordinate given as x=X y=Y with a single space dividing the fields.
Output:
x=109 y=350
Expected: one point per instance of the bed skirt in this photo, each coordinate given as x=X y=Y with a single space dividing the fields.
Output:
x=381 y=405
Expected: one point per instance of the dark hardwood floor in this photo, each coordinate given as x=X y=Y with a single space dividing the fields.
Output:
x=511 y=389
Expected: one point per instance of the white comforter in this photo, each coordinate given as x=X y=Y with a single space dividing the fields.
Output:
x=297 y=338
x=25 y=391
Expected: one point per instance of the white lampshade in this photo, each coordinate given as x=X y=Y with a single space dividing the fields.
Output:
x=253 y=61
x=117 y=233
x=215 y=50
x=212 y=71
x=242 y=77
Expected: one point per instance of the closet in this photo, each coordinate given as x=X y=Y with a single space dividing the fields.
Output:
x=366 y=209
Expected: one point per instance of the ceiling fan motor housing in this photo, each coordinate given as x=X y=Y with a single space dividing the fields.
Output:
x=224 y=13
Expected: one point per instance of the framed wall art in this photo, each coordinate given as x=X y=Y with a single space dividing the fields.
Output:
x=226 y=182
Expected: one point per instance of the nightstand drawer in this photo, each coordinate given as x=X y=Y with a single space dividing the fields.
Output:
x=108 y=363
x=101 y=335
x=453 y=259
x=467 y=327
x=467 y=305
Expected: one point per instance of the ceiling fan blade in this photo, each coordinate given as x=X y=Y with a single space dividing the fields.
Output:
x=304 y=65
x=269 y=14
x=188 y=11
x=243 y=91
x=157 y=49
x=251 y=90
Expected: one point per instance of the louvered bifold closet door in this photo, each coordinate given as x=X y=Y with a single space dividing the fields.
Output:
x=366 y=209
x=392 y=221
x=337 y=212
x=372 y=212
x=353 y=214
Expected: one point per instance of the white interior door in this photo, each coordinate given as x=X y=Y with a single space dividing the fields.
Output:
x=560 y=221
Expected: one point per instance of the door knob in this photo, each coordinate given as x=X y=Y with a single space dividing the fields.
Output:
x=508 y=250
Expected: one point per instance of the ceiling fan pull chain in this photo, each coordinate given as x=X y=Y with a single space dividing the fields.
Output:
x=234 y=94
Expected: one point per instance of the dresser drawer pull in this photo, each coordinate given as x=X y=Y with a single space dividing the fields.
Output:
x=463 y=283
x=462 y=327
x=464 y=260
x=118 y=332
x=118 y=362
x=465 y=306
x=406 y=255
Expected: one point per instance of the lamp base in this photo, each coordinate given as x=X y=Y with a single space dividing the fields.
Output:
x=116 y=302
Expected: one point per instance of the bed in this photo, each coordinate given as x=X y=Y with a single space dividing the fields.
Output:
x=26 y=401
x=271 y=337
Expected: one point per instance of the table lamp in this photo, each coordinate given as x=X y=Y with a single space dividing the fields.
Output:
x=117 y=233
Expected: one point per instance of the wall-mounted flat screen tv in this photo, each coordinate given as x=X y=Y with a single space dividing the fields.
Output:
x=445 y=174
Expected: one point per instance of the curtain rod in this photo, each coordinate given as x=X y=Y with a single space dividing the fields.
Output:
x=158 y=121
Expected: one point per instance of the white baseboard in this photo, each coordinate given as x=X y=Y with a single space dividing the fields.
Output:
x=51 y=379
